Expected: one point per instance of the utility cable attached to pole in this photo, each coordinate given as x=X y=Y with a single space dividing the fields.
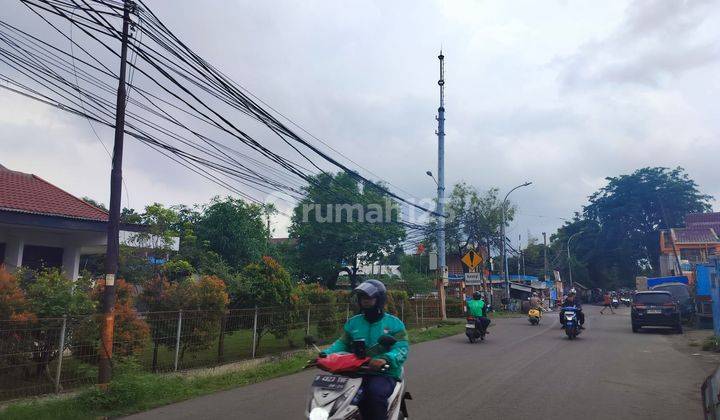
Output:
x=113 y=229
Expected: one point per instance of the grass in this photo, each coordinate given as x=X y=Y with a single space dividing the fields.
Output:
x=133 y=391
x=505 y=314
x=443 y=329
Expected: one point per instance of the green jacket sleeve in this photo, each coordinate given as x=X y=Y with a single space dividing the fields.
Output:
x=342 y=344
x=399 y=351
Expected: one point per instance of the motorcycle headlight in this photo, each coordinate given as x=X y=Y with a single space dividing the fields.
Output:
x=319 y=413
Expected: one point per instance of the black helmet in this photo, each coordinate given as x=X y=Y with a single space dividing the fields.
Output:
x=372 y=289
x=477 y=295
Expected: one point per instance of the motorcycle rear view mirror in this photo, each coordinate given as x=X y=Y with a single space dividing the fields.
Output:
x=387 y=340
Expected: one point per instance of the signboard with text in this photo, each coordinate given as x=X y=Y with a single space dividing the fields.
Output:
x=473 y=279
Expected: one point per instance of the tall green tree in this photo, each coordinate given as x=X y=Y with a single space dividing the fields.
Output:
x=620 y=225
x=234 y=230
x=341 y=222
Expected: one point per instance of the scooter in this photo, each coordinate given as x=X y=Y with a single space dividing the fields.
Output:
x=534 y=316
x=626 y=301
x=472 y=331
x=615 y=303
x=336 y=394
x=572 y=328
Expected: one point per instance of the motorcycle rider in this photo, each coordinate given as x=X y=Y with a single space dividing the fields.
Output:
x=478 y=308
x=369 y=326
x=571 y=301
x=535 y=302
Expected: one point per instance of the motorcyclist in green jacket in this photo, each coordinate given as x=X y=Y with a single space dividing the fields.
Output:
x=367 y=327
x=477 y=308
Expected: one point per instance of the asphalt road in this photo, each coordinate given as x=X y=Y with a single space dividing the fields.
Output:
x=519 y=372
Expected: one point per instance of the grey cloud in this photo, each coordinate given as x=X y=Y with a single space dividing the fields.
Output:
x=647 y=17
x=656 y=39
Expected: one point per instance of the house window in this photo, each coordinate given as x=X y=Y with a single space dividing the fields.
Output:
x=39 y=257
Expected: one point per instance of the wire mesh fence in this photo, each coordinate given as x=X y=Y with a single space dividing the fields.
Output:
x=48 y=355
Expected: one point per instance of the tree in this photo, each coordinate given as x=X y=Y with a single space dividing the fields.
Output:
x=131 y=332
x=633 y=208
x=154 y=298
x=52 y=295
x=474 y=219
x=49 y=296
x=13 y=303
x=160 y=228
x=414 y=270
x=323 y=308
x=338 y=223
x=234 y=230
x=265 y=284
x=620 y=225
x=204 y=302
x=530 y=258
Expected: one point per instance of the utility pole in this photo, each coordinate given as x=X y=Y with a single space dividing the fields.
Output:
x=569 y=263
x=442 y=267
x=490 y=267
x=519 y=253
x=113 y=229
x=503 y=262
x=568 y=255
x=545 y=262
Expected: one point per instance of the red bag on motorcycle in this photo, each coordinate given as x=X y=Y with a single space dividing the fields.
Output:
x=341 y=363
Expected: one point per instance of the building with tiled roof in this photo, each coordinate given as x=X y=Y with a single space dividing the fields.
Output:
x=695 y=243
x=42 y=225
x=30 y=194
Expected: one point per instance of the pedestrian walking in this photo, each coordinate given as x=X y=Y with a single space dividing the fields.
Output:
x=607 y=303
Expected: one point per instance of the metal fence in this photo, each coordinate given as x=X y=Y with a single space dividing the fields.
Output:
x=55 y=354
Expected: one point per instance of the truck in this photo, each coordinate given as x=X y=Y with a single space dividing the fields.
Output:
x=703 y=300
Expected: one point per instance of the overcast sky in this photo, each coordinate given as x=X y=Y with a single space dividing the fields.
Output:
x=561 y=93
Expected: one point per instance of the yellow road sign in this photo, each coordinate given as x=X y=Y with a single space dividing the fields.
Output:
x=472 y=259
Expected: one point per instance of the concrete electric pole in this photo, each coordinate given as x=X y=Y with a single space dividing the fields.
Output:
x=113 y=229
x=545 y=262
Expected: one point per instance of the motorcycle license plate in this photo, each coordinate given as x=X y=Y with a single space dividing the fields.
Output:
x=469 y=325
x=333 y=382
x=654 y=311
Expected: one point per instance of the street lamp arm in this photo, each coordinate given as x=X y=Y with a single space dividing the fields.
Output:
x=568 y=254
x=509 y=192
x=504 y=239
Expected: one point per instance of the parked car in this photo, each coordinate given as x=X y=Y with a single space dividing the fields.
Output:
x=681 y=295
x=655 y=308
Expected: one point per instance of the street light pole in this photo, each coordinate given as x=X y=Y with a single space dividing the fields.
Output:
x=504 y=267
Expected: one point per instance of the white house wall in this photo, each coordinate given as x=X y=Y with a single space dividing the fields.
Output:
x=73 y=244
